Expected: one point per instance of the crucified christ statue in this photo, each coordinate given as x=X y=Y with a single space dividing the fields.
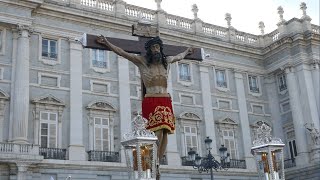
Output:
x=154 y=68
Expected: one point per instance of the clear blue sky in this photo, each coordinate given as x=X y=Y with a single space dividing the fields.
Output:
x=246 y=14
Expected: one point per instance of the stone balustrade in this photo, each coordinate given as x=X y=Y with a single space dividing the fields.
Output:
x=10 y=148
x=213 y=30
x=139 y=12
x=247 y=38
x=179 y=22
x=315 y=29
x=176 y=22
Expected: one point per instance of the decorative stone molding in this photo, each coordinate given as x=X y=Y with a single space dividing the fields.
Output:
x=280 y=12
x=195 y=11
x=47 y=103
x=261 y=27
x=101 y=109
x=313 y=132
x=228 y=19
x=303 y=7
x=226 y=123
x=24 y=30
x=189 y=116
x=3 y=35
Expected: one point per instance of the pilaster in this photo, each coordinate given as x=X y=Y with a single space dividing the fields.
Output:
x=297 y=116
x=207 y=104
x=173 y=155
x=124 y=99
x=244 y=121
x=76 y=148
x=120 y=7
x=307 y=96
x=315 y=72
x=21 y=87
x=273 y=98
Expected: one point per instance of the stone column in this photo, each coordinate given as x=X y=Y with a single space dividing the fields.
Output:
x=14 y=60
x=297 y=116
x=22 y=171
x=124 y=99
x=76 y=147
x=207 y=107
x=244 y=121
x=3 y=102
x=315 y=71
x=173 y=155
x=21 y=87
x=273 y=98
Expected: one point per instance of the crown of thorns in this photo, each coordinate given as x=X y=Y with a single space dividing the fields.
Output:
x=153 y=41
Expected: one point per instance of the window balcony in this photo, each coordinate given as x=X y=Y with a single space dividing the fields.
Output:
x=99 y=64
x=222 y=84
x=103 y=156
x=164 y=160
x=51 y=56
x=254 y=89
x=289 y=163
x=238 y=164
x=53 y=153
x=186 y=162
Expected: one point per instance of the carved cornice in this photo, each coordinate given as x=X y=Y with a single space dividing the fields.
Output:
x=279 y=43
x=101 y=106
x=48 y=99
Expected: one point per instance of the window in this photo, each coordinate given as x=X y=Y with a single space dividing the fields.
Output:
x=99 y=58
x=230 y=143
x=253 y=84
x=102 y=134
x=101 y=125
x=285 y=107
x=190 y=137
x=282 y=82
x=49 y=49
x=184 y=72
x=2 y=40
x=221 y=79
x=291 y=144
x=48 y=129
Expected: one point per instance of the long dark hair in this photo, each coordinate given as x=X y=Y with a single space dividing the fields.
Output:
x=149 y=55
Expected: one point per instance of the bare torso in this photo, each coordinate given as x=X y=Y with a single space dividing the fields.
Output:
x=154 y=78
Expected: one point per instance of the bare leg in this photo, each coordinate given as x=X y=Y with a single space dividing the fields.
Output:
x=162 y=135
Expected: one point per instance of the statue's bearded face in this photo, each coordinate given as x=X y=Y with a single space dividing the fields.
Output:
x=156 y=53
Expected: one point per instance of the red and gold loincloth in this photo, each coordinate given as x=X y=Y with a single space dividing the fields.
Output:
x=158 y=111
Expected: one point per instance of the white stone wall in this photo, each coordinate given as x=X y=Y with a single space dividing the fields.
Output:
x=75 y=75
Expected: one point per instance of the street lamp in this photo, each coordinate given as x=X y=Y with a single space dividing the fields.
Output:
x=209 y=162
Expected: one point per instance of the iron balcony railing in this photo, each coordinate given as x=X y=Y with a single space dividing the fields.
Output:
x=289 y=163
x=103 y=156
x=222 y=84
x=236 y=163
x=254 y=89
x=99 y=64
x=53 y=153
x=186 y=162
x=164 y=160
x=52 y=56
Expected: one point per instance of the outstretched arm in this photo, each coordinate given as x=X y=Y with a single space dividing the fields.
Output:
x=131 y=57
x=178 y=57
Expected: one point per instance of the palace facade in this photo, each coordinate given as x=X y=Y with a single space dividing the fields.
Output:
x=64 y=108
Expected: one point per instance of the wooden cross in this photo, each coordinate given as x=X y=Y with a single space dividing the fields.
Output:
x=144 y=32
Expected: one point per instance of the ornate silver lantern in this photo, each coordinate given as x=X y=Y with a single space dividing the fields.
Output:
x=268 y=152
x=140 y=148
